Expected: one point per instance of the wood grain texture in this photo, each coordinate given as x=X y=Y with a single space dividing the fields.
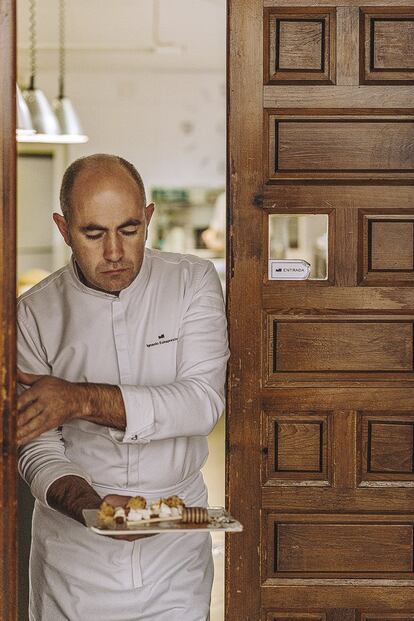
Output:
x=392 y=4
x=387 y=595
x=386 y=442
x=347 y=145
x=294 y=616
x=336 y=548
x=329 y=144
x=346 y=246
x=367 y=398
x=386 y=253
x=363 y=499
x=387 y=45
x=244 y=253
x=8 y=594
x=299 y=45
x=344 y=455
x=379 y=502
x=386 y=616
x=334 y=346
x=297 y=447
x=391 y=447
x=393 y=44
x=310 y=547
x=391 y=244
x=347 y=46
x=342 y=614
x=299 y=96
x=331 y=300
x=373 y=200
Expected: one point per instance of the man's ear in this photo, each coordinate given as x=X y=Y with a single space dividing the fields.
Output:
x=62 y=225
x=149 y=210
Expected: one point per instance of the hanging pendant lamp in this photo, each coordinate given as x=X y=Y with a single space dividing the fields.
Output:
x=43 y=119
x=62 y=105
x=24 y=126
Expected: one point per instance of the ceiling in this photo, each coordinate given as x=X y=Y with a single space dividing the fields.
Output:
x=101 y=34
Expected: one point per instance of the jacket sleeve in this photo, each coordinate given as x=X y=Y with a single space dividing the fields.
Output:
x=193 y=403
x=42 y=461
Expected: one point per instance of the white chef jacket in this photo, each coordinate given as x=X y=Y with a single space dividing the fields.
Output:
x=163 y=341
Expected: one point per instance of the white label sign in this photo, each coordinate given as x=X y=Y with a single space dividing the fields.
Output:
x=288 y=269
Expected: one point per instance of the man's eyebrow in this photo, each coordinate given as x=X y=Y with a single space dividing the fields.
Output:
x=98 y=227
x=93 y=227
x=130 y=222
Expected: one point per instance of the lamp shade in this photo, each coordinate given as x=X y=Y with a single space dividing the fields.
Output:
x=43 y=118
x=66 y=115
x=24 y=122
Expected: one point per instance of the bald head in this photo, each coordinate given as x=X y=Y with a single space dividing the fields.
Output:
x=105 y=220
x=92 y=169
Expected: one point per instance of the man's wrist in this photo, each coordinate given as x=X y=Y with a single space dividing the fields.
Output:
x=70 y=494
x=102 y=404
x=83 y=403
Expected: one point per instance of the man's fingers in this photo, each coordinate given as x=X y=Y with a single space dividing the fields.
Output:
x=27 y=378
x=117 y=500
x=29 y=413
x=29 y=431
x=26 y=398
x=26 y=438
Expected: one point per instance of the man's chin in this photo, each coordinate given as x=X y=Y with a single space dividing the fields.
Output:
x=113 y=283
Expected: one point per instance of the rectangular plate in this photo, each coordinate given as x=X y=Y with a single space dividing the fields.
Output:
x=231 y=526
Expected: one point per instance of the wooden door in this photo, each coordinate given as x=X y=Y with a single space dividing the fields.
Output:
x=321 y=382
x=7 y=312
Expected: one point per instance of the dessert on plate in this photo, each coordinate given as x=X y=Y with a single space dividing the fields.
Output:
x=136 y=512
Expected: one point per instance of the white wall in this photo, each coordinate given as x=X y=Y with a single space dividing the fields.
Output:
x=172 y=126
x=165 y=111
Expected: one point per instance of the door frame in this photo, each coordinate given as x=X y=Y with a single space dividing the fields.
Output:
x=8 y=537
x=244 y=263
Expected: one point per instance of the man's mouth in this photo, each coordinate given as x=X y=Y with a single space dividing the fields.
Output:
x=113 y=272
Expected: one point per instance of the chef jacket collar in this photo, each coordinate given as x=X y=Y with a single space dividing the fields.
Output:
x=136 y=285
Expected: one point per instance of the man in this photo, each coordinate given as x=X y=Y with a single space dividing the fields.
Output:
x=123 y=352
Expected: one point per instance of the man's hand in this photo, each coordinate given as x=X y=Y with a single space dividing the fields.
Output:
x=47 y=404
x=120 y=501
x=70 y=494
x=51 y=402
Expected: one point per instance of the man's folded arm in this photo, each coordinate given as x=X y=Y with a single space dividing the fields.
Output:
x=188 y=406
x=53 y=479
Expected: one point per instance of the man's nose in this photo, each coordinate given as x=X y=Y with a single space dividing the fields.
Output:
x=113 y=249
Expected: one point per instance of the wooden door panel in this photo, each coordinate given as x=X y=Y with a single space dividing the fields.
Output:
x=297 y=446
x=356 y=451
x=337 y=346
x=340 y=144
x=314 y=546
x=321 y=383
x=387 y=45
x=299 y=46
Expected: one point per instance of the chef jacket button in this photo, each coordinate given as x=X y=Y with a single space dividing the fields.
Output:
x=134 y=437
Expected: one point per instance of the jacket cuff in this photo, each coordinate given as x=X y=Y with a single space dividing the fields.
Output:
x=140 y=417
